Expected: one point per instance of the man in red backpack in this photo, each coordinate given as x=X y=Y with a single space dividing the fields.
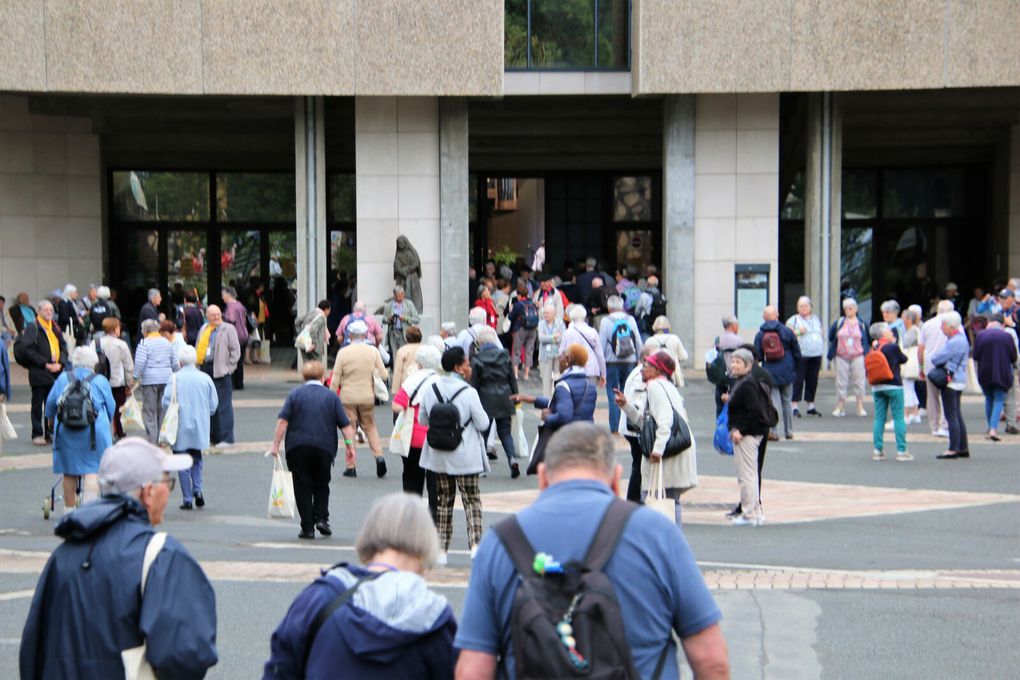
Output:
x=780 y=354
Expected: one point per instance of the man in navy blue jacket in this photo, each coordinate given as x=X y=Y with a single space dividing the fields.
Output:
x=89 y=605
x=780 y=352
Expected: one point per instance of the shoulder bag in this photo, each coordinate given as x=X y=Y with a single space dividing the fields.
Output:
x=679 y=434
x=136 y=666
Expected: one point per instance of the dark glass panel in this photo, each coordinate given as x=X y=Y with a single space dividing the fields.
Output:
x=160 y=196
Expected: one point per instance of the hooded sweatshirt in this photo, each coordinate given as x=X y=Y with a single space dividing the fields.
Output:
x=82 y=618
x=392 y=627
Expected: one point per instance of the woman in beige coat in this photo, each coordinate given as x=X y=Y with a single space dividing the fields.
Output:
x=354 y=374
x=662 y=398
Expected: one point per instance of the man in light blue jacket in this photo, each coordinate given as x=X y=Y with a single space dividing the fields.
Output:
x=196 y=398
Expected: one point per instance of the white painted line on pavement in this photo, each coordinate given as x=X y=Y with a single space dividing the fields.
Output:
x=349 y=548
x=16 y=595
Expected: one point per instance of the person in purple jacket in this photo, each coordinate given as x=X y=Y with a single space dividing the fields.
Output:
x=995 y=353
x=377 y=620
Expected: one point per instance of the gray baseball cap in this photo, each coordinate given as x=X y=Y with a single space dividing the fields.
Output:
x=133 y=462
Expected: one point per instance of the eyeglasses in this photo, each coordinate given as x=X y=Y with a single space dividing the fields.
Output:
x=171 y=483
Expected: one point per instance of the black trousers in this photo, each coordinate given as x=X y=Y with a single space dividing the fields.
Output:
x=40 y=427
x=954 y=417
x=634 y=485
x=414 y=480
x=806 y=381
x=921 y=390
x=237 y=377
x=311 y=470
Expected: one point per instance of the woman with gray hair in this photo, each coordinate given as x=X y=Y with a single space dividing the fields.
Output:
x=550 y=332
x=415 y=479
x=376 y=620
x=81 y=404
x=195 y=394
x=848 y=343
x=808 y=329
x=664 y=338
x=910 y=372
x=155 y=362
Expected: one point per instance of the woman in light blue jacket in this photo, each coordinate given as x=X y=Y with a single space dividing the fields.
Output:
x=196 y=398
x=808 y=329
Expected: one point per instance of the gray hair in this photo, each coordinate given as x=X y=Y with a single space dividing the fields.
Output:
x=803 y=299
x=84 y=356
x=912 y=314
x=187 y=356
x=550 y=306
x=68 y=289
x=476 y=316
x=614 y=303
x=103 y=292
x=890 y=306
x=435 y=342
x=918 y=312
x=591 y=263
x=730 y=320
x=744 y=355
x=486 y=335
x=45 y=303
x=581 y=445
x=401 y=522
x=577 y=313
x=952 y=319
x=229 y=290
x=429 y=357
x=150 y=326
x=944 y=307
x=398 y=289
x=878 y=329
x=359 y=306
x=848 y=303
x=661 y=324
x=153 y=292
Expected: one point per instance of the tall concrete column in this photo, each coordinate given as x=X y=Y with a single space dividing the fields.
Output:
x=454 y=190
x=823 y=205
x=678 y=212
x=310 y=194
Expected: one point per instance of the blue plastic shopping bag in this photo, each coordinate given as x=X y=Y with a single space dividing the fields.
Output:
x=722 y=442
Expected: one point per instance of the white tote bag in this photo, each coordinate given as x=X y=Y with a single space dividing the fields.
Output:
x=131 y=414
x=520 y=439
x=7 y=430
x=136 y=666
x=281 y=492
x=168 y=430
x=656 y=499
x=403 y=430
x=382 y=393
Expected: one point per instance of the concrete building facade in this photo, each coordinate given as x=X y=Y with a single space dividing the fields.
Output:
x=751 y=151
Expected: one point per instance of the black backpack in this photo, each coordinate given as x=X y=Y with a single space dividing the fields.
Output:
x=445 y=431
x=530 y=314
x=658 y=307
x=103 y=365
x=21 y=345
x=75 y=409
x=580 y=596
x=99 y=311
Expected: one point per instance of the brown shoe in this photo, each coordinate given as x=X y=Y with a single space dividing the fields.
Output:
x=773 y=437
x=39 y=441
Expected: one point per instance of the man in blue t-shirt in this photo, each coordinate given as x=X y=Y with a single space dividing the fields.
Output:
x=657 y=582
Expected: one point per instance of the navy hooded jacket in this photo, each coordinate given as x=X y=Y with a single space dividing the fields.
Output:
x=783 y=371
x=82 y=617
x=392 y=627
x=573 y=399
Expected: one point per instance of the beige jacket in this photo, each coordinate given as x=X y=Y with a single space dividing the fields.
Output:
x=226 y=350
x=353 y=373
x=403 y=364
x=119 y=356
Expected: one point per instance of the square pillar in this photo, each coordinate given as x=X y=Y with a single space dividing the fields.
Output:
x=397 y=166
x=823 y=205
x=454 y=192
x=678 y=212
x=310 y=194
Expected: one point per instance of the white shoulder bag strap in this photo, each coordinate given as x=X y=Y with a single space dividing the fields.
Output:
x=136 y=666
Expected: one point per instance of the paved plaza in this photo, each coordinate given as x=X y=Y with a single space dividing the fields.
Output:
x=864 y=569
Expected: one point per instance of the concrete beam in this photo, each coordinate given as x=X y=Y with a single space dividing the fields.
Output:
x=678 y=212
x=310 y=194
x=453 y=211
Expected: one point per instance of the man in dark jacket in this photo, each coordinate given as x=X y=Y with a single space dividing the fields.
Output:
x=780 y=351
x=493 y=377
x=45 y=354
x=995 y=353
x=89 y=604
x=150 y=310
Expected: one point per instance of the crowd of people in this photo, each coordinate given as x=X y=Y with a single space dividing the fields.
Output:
x=456 y=397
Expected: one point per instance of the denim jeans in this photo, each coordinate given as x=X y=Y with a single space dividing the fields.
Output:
x=191 y=479
x=616 y=376
x=889 y=400
x=506 y=438
x=995 y=397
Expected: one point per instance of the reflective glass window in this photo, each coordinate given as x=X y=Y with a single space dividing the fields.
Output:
x=161 y=196
x=186 y=259
x=239 y=257
x=340 y=198
x=923 y=193
x=283 y=256
x=254 y=197
x=563 y=34
x=632 y=199
x=859 y=194
x=614 y=34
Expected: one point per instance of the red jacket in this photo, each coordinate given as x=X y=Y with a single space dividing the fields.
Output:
x=491 y=317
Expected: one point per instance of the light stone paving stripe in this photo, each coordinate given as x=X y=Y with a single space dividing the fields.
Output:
x=32 y=562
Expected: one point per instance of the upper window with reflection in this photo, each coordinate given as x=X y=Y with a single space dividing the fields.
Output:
x=161 y=196
x=255 y=197
x=632 y=199
x=860 y=194
x=576 y=35
x=923 y=193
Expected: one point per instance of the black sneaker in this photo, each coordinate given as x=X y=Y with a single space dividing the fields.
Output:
x=735 y=512
x=186 y=505
x=491 y=454
x=515 y=471
x=199 y=500
x=323 y=528
x=796 y=413
x=1010 y=429
x=307 y=534
x=350 y=472
x=380 y=467
x=814 y=412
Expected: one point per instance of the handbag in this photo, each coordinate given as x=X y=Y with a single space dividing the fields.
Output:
x=403 y=430
x=656 y=499
x=131 y=414
x=281 y=492
x=171 y=418
x=382 y=394
x=136 y=666
x=7 y=430
x=679 y=435
x=940 y=377
x=912 y=369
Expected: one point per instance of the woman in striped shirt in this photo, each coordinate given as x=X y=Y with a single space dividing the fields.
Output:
x=155 y=362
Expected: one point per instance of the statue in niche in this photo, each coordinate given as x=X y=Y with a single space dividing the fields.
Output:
x=407 y=271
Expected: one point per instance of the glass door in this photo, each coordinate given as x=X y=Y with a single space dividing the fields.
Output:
x=186 y=263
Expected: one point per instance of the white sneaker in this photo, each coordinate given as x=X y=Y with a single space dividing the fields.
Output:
x=921 y=413
x=904 y=457
x=838 y=413
x=941 y=433
x=441 y=560
x=861 y=413
x=889 y=426
x=742 y=521
x=474 y=551
x=877 y=455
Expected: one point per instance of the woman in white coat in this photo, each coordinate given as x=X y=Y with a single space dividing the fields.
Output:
x=662 y=399
x=663 y=338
